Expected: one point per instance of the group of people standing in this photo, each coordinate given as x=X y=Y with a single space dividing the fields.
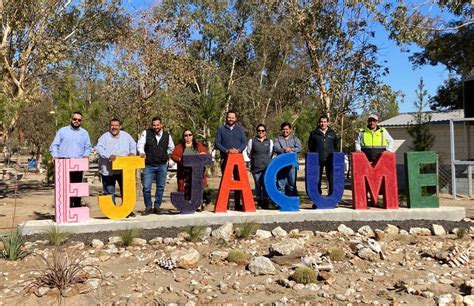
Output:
x=157 y=146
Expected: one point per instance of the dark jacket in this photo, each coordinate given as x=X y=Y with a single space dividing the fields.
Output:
x=156 y=153
x=323 y=144
x=227 y=139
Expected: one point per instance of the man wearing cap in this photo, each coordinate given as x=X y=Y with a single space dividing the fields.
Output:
x=373 y=139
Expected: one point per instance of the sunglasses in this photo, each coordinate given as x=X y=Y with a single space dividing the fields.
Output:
x=261 y=131
x=188 y=135
x=76 y=119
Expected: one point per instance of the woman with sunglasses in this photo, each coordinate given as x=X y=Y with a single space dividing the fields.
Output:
x=187 y=146
x=260 y=151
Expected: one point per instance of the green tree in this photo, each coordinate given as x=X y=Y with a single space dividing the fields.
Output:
x=419 y=128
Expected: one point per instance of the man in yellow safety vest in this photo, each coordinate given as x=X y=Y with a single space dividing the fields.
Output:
x=373 y=139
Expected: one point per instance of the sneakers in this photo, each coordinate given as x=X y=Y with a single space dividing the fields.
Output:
x=147 y=211
x=131 y=215
x=157 y=211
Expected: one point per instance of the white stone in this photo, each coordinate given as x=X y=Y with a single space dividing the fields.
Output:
x=43 y=291
x=218 y=255
x=368 y=254
x=262 y=234
x=468 y=300
x=438 y=230
x=343 y=229
x=139 y=242
x=391 y=230
x=157 y=240
x=261 y=266
x=97 y=244
x=279 y=232
x=404 y=233
x=93 y=283
x=286 y=247
x=420 y=231
x=224 y=232
x=115 y=239
x=186 y=258
x=366 y=231
x=445 y=299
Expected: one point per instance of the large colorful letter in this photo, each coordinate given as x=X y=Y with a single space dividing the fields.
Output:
x=285 y=202
x=312 y=180
x=64 y=190
x=381 y=175
x=415 y=180
x=197 y=164
x=228 y=184
x=128 y=165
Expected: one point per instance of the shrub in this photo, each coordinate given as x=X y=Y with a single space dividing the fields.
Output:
x=236 y=256
x=127 y=236
x=304 y=275
x=336 y=253
x=195 y=232
x=62 y=270
x=56 y=237
x=247 y=230
x=13 y=246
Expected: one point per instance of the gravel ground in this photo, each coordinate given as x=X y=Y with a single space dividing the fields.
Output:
x=322 y=226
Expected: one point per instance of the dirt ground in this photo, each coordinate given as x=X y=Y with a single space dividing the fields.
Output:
x=413 y=271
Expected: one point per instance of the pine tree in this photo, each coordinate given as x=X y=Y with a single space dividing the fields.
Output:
x=419 y=128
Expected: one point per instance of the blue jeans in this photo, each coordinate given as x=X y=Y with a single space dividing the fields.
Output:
x=158 y=173
x=284 y=176
x=108 y=184
x=260 y=191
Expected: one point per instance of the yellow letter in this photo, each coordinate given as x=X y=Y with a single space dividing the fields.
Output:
x=128 y=165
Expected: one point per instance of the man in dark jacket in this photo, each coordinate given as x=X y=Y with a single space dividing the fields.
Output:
x=230 y=139
x=323 y=140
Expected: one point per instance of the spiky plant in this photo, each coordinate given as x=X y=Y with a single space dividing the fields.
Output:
x=247 y=230
x=304 y=275
x=13 y=244
x=336 y=253
x=127 y=236
x=195 y=232
x=236 y=256
x=56 y=236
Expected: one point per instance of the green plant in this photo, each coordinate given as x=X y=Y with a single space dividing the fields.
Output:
x=13 y=245
x=246 y=230
x=62 y=270
x=56 y=237
x=336 y=253
x=195 y=232
x=304 y=275
x=127 y=236
x=236 y=256
x=461 y=232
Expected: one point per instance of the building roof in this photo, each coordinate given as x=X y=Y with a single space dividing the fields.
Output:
x=438 y=117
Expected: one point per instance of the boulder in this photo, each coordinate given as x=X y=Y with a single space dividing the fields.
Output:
x=261 y=266
x=186 y=258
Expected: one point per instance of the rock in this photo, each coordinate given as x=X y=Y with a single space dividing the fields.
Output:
x=224 y=232
x=42 y=291
x=93 y=283
x=366 y=231
x=262 y=234
x=298 y=287
x=468 y=300
x=438 y=230
x=157 y=240
x=261 y=266
x=326 y=276
x=294 y=232
x=404 y=233
x=368 y=254
x=307 y=234
x=115 y=240
x=445 y=299
x=343 y=229
x=185 y=258
x=138 y=242
x=97 y=244
x=218 y=255
x=279 y=232
x=286 y=247
x=391 y=230
x=206 y=233
x=427 y=294
x=420 y=231
x=379 y=235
